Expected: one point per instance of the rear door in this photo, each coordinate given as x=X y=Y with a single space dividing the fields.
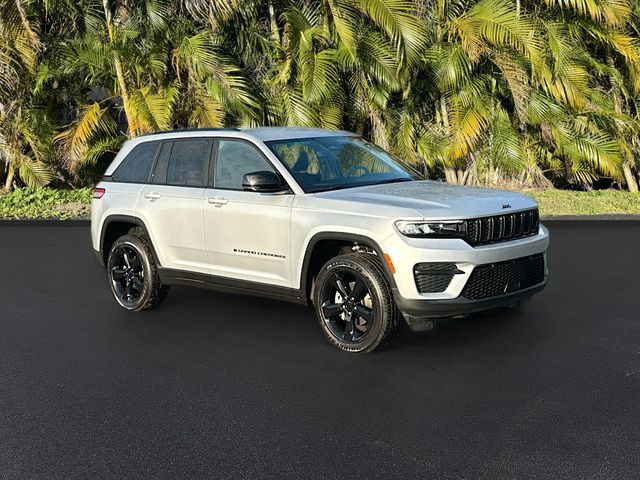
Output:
x=171 y=204
x=247 y=234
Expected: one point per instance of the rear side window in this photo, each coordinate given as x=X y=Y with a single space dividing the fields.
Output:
x=189 y=163
x=136 y=167
x=160 y=173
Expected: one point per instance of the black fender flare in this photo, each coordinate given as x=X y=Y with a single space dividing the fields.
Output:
x=349 y=237
x=127 y=219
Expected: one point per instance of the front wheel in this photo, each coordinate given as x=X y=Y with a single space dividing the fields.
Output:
x=133 y=276
x=354 y=304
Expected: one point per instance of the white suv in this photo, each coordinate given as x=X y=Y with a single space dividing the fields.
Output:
x=312 y=216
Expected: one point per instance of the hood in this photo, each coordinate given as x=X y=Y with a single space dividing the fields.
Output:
x=436 y=200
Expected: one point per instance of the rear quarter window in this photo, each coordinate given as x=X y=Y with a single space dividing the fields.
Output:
x=136 y=167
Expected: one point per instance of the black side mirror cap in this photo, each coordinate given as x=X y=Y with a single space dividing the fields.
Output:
x=263 y=181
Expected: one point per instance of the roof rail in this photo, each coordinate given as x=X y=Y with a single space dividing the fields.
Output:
x=180 y=130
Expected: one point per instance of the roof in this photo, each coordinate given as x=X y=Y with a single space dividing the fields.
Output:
x=186 y=130
x=267 y=134
x=264 y=134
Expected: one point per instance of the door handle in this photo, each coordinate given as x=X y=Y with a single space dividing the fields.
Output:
x=152 y=196
x=217 y=201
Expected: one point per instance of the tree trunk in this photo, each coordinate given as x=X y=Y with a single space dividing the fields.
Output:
x=275 y=31
x=326 y=21
x=132 y=126
x=9 y=180
x=450 y=175
x=616 y=96
x=632 y=184
x=445 y=114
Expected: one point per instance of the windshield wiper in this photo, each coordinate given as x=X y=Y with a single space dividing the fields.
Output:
x=395 y=180
x=332 y=187
x=340 y=187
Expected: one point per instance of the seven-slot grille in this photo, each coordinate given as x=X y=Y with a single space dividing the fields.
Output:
x=502 y=278
x=501 y=228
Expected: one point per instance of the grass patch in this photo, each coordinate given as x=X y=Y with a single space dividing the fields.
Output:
x=596 y=202
x=46 y=203
x=68 y=204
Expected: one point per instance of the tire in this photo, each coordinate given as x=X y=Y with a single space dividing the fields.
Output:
x=133 y=275
x=354 y=304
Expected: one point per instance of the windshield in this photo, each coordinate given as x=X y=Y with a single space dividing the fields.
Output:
x=329 y=163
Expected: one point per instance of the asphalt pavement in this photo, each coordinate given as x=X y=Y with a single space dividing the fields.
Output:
x=213 y=385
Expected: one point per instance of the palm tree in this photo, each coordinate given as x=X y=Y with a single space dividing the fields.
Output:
x=335 y=63
x=610 y=60
x=163 y=75
x=508 y=92
x=511 y=95
x=25 y=130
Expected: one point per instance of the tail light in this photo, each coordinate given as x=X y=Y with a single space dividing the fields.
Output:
x=99 y=192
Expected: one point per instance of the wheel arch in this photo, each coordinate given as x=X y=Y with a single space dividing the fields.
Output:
x=114 y=226
x=325 y=245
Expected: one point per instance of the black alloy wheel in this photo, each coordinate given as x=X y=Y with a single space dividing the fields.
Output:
x=347 y=307
x=354 y=303
x=127 y=274
x=133 y=275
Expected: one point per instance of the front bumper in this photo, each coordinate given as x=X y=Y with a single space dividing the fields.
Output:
x=406 y=253
x=459 y=306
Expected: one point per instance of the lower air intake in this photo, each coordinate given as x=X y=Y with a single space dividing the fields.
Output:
x=502 y=278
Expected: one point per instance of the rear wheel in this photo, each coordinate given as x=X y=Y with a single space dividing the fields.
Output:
x=133 y=276
x=354 y=304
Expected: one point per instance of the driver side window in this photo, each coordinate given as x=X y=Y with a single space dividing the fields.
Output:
x=235 y=159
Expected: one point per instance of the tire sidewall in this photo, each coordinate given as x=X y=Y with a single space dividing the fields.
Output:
x=137 y=245
x=366 y=272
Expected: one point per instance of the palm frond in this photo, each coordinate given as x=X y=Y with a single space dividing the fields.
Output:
x=34 y=173
x=377 y=58
x=102 y=146
x=153 y=110
x=495 y=23
x=507 y=153
x=92 y=120
x=450 y=64
x=612 y=12
x=320 y=76
x=208 y=113
x=345 y=22
x=397 y=19
x=598 y=150
x=468 y=123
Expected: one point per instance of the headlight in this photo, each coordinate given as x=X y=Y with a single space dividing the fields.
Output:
x=444 y=229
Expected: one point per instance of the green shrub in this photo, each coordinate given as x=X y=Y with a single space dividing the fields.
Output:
x=68 y=204
x=596 y=202
x=46 y=203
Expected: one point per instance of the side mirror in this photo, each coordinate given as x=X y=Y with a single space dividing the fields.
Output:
x=263 y=181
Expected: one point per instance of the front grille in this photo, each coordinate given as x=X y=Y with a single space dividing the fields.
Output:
x=434 y=277
x=496 y=279
x=501 y=228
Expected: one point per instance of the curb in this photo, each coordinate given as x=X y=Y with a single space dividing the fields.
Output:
x=51 y=222
x=78 y=222
x=607 y=217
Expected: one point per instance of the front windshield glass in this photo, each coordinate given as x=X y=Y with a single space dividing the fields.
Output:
x=329 y=163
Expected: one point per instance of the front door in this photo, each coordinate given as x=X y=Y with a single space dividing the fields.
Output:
x=247 y=234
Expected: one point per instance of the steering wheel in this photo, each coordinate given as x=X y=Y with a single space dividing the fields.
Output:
x=355 y=169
